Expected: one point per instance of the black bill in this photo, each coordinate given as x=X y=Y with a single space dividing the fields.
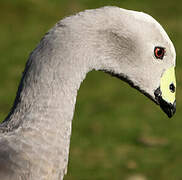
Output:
x=168 y=108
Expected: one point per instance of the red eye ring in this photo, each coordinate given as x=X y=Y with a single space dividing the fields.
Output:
x=159 y=52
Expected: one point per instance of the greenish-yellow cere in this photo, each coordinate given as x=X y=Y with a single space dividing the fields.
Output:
x=168 y=78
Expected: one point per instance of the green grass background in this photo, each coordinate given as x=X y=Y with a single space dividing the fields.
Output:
x=117 y=132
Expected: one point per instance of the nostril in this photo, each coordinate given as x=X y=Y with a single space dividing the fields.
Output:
x=172 y=88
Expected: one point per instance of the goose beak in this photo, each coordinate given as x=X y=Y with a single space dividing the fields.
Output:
x=165 y=94
x=167 y=107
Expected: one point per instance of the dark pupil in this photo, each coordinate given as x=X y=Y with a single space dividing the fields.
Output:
x=172 y=88
x=159 y=52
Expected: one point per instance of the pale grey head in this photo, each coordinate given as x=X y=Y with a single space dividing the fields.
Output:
x=132 y=46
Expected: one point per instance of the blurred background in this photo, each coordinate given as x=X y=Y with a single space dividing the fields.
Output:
x=117 y=133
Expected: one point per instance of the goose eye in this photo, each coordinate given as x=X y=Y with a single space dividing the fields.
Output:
x=159 y=52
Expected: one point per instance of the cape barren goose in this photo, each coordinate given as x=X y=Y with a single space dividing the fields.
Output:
x=35 y=136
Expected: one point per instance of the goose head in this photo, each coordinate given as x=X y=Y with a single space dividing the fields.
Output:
x=141 y=53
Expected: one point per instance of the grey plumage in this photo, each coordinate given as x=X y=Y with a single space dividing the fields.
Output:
x=35 y=136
